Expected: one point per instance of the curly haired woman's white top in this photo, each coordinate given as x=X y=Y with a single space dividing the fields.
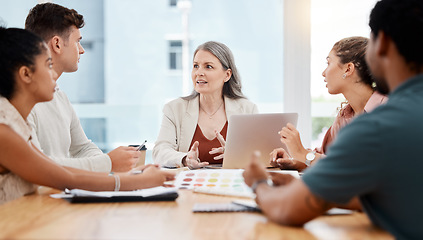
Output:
x=180 y=118
x=11 y=185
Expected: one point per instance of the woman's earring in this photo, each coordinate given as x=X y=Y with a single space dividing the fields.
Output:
x=344 y=76
x=374 y=85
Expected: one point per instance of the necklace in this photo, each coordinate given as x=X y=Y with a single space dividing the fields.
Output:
x=211 y=115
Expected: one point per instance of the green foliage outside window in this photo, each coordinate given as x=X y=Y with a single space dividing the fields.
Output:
x=318 y=123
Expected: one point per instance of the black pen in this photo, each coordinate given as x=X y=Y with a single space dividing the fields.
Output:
x=141 y=146
x=133 y=172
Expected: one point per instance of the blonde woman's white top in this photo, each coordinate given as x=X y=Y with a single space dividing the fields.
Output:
x=180 y=118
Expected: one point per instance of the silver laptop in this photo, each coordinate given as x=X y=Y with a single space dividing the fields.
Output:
x=250 y=132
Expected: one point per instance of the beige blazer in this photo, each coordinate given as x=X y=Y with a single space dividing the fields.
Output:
x=180 y=118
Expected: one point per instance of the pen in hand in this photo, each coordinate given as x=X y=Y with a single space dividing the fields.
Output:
x=141 y=146
x=133 y=172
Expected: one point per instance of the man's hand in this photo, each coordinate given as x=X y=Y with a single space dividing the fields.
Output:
x=280 y=179
x=124 y=158
x=255 y=170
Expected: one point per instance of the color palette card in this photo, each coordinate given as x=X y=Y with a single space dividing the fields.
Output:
x=215 y=181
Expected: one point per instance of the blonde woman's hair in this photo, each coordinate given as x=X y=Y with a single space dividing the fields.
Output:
x=231 y=88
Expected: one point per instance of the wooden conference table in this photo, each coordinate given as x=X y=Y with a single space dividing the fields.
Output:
x=38 y=216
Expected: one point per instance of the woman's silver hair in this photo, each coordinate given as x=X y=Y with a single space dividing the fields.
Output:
x=231 y=88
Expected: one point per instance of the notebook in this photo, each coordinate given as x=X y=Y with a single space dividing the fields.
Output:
x=223 y=207
x=251 y=132
x=149 y=194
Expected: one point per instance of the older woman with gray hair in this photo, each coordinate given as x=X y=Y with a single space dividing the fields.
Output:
x=193 y=129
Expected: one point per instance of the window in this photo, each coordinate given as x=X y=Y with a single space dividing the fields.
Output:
x=330 y=22
x=87 y=85
x=133 y=60
x=95 y=129
x=87 y=45
x=175 y=55
x=173 y=3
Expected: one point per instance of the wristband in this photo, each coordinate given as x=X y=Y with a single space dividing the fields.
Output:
x=258 y=182
x=117 y=181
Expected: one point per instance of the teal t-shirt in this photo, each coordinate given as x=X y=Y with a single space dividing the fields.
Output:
x=379 y=157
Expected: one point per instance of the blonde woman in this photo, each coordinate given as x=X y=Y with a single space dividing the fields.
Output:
x=194 y=128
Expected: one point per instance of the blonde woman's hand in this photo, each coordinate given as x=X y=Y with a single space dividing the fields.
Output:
x=191 y=160
x=220 y=149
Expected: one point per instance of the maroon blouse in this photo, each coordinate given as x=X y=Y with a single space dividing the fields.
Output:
x=206 y=145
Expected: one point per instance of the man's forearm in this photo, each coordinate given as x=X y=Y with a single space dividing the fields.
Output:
x=291 y=204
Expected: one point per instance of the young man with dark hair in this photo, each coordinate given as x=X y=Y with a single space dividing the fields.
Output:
x=56 y=128
x=375 y=160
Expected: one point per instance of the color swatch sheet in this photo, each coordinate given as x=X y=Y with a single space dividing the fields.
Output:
x=214 y=181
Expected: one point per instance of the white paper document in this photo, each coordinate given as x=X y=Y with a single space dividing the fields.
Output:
x=107 y=194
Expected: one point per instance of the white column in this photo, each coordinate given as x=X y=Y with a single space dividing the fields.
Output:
x=297 y=54
x=185 y=6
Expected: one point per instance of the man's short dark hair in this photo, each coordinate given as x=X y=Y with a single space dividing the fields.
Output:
x=49 y=19
x=402 y=21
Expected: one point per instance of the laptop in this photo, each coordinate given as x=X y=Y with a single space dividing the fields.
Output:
x=254 y=132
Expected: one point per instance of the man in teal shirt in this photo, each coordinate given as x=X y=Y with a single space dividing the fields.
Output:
x=376 y=160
